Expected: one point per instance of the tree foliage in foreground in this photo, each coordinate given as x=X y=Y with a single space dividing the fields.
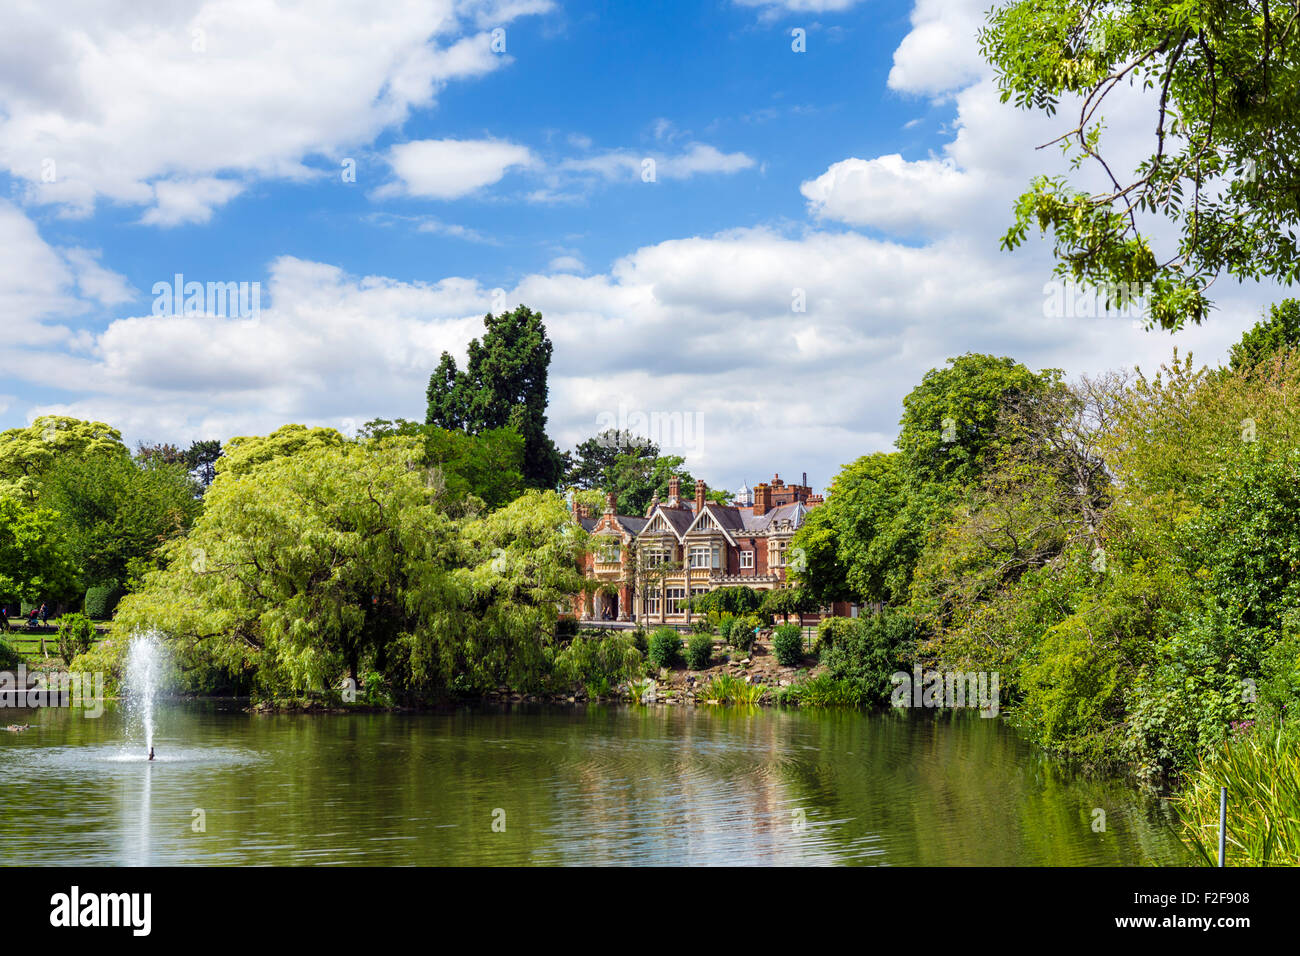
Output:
x=1223 y=81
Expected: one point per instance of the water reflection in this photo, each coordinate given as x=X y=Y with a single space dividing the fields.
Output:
x=595 y=785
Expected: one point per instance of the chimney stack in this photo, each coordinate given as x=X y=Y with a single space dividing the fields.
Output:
x=762 y=498
x=674 y=492
x=609 y=502
x=700 y=487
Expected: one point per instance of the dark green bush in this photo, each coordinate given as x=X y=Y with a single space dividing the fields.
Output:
x=743 y=632
x=665 y=647
x=9 y=656
x=566 y=627
x=102 y=600
x=787 y=645
x=700 y=625
x=878 y=647
x=725 y=625
x=598 y=663
x=699 y=650
x=736 y=600
x=831 y=630
x=76 y=636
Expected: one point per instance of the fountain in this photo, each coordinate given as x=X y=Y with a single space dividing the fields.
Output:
x=144 y=659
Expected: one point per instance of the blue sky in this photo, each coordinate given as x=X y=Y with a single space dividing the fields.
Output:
x=873 y=172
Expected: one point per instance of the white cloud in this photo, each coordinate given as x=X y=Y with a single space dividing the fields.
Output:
x=566 y=264
x=939 y=54
x=450 y=168
x=628 y=165
x=701 y=325
x=174 y=106
x=892 y=194
x=40 y=284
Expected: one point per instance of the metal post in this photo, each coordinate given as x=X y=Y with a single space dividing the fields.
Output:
x=1223 y=823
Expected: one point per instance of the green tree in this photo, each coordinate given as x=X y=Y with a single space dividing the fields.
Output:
x=35 y=559
x=1276 y=335
x=488 y=466
x=950 y=421
x=503 y=385
x=116 y=511
x=246 y=452
x=26 y=454
x=304 y=566
x=1219 y=168
x=591 y=463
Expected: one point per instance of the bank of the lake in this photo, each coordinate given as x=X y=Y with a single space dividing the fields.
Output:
x=594 y=784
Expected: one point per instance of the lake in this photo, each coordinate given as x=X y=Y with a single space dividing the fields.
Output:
x=591 y=785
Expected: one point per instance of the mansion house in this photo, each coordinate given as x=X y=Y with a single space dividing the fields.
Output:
x=684 y=547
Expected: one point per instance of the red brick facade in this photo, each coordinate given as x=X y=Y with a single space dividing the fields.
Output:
x=647 y=566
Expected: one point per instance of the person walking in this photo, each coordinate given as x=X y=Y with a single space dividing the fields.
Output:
x=4 y=618
x=45 y=614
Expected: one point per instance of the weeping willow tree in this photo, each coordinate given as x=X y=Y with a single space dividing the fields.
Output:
x=341 y=558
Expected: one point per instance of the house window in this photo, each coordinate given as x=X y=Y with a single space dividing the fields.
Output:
x=776 y=553
x=655 y=557
x=652 y=603
x=701 y=556
x=747 y=559
x=609 y=554
x=676 y=597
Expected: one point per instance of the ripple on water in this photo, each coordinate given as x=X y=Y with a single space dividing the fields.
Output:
x=98 y=759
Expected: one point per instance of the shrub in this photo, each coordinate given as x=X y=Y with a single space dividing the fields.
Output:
x=699 y=650
x=736 y=600
x=787 y=645
x=566 y=627
x=641 y=640
x=9 y=656
x=665 y=647
x=725 y=625
x=832 y=630
x=743 y=632
x=102 y=600
x=598 y=663
x=76 y=636
x=700 y=625
x=872 y=651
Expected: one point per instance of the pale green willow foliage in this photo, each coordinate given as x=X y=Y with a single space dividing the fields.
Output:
x=312 y=564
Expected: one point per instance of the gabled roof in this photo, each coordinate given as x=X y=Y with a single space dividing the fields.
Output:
x=726 y=522
x=677 y=520
x=793 y=512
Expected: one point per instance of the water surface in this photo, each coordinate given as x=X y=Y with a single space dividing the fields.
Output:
x=539 y=785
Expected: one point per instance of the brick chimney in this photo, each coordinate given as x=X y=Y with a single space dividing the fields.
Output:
x=577 y=509
x=815 y=500
x=610 y=501
x=700 y=488
x=674 y=492
x=762 y=498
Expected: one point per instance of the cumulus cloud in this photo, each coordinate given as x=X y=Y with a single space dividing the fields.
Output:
x=450 y=168
x=939 y=54
x=174 y=106
x=775 y=348
x=890 y=193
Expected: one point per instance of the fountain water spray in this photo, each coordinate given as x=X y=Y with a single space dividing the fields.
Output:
x=144 y=659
